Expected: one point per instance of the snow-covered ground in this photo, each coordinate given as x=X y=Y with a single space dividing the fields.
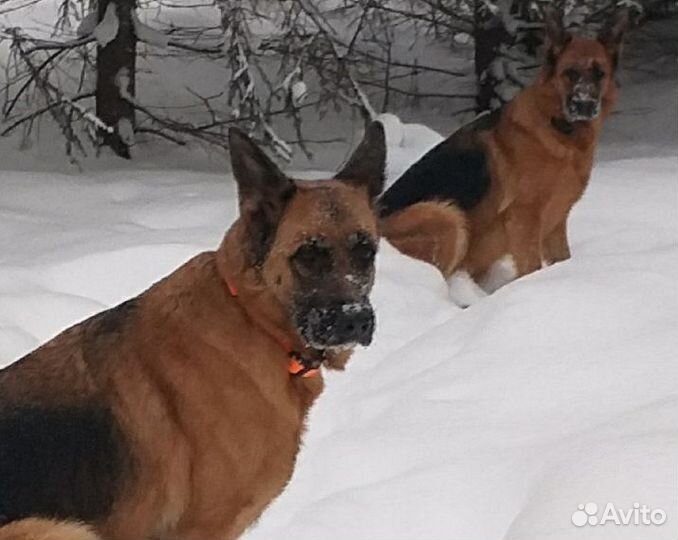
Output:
x=491 y=423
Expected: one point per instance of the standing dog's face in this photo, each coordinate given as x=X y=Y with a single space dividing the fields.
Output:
x=582 y=69
x=313 y=243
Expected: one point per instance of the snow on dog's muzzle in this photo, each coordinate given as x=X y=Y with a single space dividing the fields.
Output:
x=583 y=109
x=583 y=103
x=337 y=324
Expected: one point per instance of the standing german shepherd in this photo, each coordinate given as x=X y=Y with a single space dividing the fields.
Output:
x=491 y=202
x=179 y=413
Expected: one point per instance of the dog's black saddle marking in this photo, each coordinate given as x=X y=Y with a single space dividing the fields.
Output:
x=456 y=170
x=66 y=463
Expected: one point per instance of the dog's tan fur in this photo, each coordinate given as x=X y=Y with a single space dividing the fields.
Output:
x=46 y=529
x=537 y=174
x=435 y=232
x=198 y=379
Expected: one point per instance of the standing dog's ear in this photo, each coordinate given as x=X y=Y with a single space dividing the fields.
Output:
x=556 y=36
x=367 y=164
x=263 y=193
x=613 y=32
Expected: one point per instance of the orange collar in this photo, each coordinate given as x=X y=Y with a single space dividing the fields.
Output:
x=298 y=365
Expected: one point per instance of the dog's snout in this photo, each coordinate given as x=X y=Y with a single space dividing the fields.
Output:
x=583 y=103
x=355 y=324
x=584 y=108
x=337 y=324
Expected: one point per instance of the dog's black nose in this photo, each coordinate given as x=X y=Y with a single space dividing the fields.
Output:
x=355 y=325
x=336 y=324
x=584 y=108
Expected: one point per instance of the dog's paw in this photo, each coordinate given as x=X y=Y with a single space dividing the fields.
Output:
x=464 y=291
x=503 y=271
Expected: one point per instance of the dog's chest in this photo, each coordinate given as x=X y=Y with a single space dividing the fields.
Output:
x=565 y=185
x=539 y=172
x=552 y=185
x=243 y=446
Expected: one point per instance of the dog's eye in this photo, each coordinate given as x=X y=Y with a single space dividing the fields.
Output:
x=313 y=258
x=571 y=74
x=363 y=250
x=597 y=73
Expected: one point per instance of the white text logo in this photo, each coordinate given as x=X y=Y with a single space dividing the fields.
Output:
x=639 y=515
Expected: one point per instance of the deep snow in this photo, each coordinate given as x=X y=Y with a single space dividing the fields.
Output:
x=489 y=423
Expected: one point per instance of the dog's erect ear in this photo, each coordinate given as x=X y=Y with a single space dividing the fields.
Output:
x=613 y=32
x=263 y=192
x=556 y=36
x=367 y=164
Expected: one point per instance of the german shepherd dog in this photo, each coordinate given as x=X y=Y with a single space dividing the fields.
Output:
x=491 y=202
x=178 y=414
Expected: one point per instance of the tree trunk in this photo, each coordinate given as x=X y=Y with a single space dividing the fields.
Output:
x=489 y=34
x=116 y=70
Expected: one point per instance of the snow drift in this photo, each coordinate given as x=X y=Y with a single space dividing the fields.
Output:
x=489 y=423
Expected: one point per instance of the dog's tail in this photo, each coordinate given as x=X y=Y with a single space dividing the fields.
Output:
x=434 y=232
x=46 y=529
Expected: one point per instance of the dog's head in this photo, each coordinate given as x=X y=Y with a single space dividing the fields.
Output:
x=311 y=244
x=582 y=70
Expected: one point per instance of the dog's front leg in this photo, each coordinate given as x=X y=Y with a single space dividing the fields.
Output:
x=523 y=229
x=556 y=247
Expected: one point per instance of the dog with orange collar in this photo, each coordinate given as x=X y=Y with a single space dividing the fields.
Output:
x=179 y=413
